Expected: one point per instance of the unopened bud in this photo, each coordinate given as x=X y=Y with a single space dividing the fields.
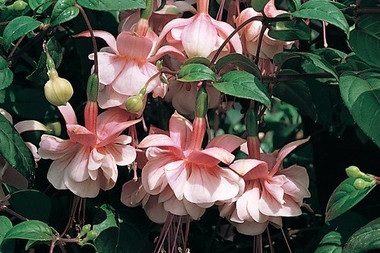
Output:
x=92 y=87
x=18 y=5
x=54 y=128
x=85 y=229
x=91 y=235
x=354 y=171
x=361 y=184
x=134 y=104
x=58 y=91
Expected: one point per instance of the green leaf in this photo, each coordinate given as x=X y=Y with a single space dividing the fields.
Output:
x=239 y=60
x=344 y=197
x=295 y=29
x=6 y=75
x=330 y=243
x=365 y=39
x=244 y=85
x=258 y=5
x=14 y=150
x=195 y=72
x=324 y=11
x=31 y=204
x=31 y=230
x=365 y=239
x=40 y=5
x=18 y=27
x=112 y=5
x=197 y=59
x=104 y=218
x=315 y=60
x=63 y=11
x=5 y=226
x=361 y=95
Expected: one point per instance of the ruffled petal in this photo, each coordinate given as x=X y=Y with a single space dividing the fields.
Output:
x=133 y=46
x=153 y=175
x=85 y=189
x=155 y=211
x=156 y=140
x=77 y=169
x=211 y=156
x=250 y=168
x=228 y=142
x=110 y=66
x=180 y=130
x=81 y=135
x=130 y=80
x=52 y=147
x=176 y=175
x=108 y=97
x=122 y=153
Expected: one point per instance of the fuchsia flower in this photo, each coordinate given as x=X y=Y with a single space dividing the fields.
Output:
x=187 y=178
x=270 y=193
x=87 y=162
x=126 y=65
x=250 y=33
x=200 y=35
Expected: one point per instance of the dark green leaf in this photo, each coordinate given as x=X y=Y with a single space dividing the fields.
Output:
x=40 y=5
x=195 y=72
x=365 y=39
x=239 y=60
x=31 y=204
x=66 y=15
x=18 y=27
x=258 y=5
x=330 y=243
x=324 y=11
x=197 y=59
x=14 y=150
x=31 y=230
x=244 y=85
x=361 y=95
x=295 y=29
x=6 y=75
x=107 y=240
x=344 y=197
x=365 y=239
x=112 y=5
x=105 y=217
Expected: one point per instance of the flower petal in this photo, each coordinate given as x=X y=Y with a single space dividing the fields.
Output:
x=228 y=142
x=52 y=147
x=110 y=66
x=176 y=175
x=180 y=130
x=133 y=46
x=106 y=36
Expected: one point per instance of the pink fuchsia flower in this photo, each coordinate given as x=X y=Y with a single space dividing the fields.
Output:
x=188 y=178
x=199 y=35
x=270 y=193
x=250 y=33
x=126 y=66
x=87 y=162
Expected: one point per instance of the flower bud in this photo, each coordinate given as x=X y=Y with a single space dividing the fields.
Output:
x=91 y=235
x=85 y=229
x=354 y=171
x=361 y=184
x=92 y=87
x=134 y=104
x=201 y=103
x=58 y=91
x=18 y=5
x=54 y=128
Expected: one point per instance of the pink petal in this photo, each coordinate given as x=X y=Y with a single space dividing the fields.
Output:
x=193 y=210
x=81 y=135
x=211 y=156
x=109 y=168
x=132 y=193
x=122 y=153
x=168 y=50
x=110 y=66
x=52 y=147
x=106 y=36
x=133 y=46
x=175 y=207
x=250 y=168
x=78 y=166
x=153 y=175
x=130 y=80
x=228 y=142
x=56 y=173
x=85 y=189
x=108 y=97
x=155 y=211
x=176 y=175
x=68 y=114
x=180 y=130
x=224 y=30
x=29 y=125
x=156 y=140
x=199 y=37
x=298 y=182
x=251 y=228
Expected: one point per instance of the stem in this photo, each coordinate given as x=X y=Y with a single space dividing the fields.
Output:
x=16 y=46
x=11 y=212
x=263 y=28
x=85 y=17
x=202 y=6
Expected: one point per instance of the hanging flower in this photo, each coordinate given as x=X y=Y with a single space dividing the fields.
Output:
x=87 y=162
x=270 y=193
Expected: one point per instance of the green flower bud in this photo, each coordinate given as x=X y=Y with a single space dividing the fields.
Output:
x=85 y=229
x=58 y=91
x=354 y=171
x=201 y=103
x=91 y=235
x=92 y=88
x=54 y=128
x=361 y=184
x=134 y=104
x=18 y=5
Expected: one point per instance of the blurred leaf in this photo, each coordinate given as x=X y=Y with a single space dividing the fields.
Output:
x=364 y=39
x=344 y=197
x=5 y=226
x=361 y=94
x=244 y=85
x=112 y=5
x=195 y=72
x=365 y=239
x=197 y=59
x=40 y=5
x=6 y=75
x=107 y=240
x=295 y=29
x=324 y=11
x=31 y=204
x=63 y=11
x=330 y=243
x=31 y=230
x=296 y=93
x=14 y=150
x=18 y=27
x=239 y=60
x=258 y=5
